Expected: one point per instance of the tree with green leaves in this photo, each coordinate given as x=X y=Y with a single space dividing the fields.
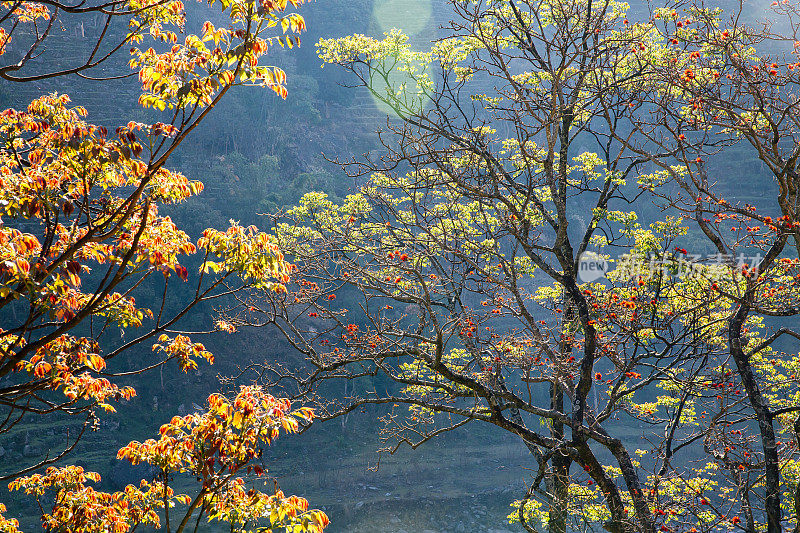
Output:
x=530 y=144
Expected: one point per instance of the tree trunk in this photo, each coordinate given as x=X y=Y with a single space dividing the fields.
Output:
x=558 y=485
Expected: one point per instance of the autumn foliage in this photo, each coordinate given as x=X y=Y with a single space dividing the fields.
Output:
x=82 y=237
x=214 y=447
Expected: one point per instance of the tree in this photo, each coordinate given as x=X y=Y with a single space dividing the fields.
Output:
x=736 y=83
x=213 y=447
x=81 y=237
x=533 y=134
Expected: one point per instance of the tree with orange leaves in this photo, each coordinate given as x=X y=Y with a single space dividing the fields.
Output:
x=215 y=448
x=82 y=236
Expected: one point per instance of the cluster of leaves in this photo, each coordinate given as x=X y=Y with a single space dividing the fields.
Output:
x=192 y=74
x=213 y=447
x=65 y=178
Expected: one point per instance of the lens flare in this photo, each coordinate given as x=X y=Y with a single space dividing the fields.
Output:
x=411 y=16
